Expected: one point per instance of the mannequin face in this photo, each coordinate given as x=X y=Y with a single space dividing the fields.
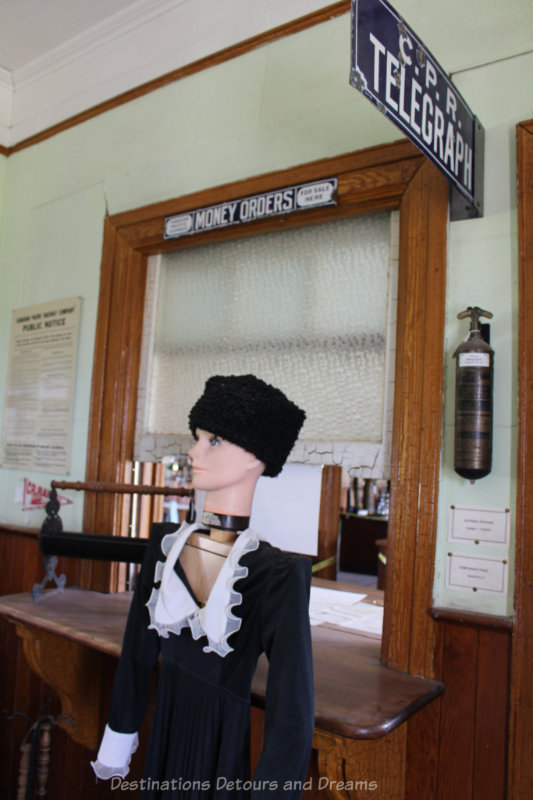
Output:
x=221 y=465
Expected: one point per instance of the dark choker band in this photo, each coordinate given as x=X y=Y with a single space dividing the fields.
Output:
x=227 y=522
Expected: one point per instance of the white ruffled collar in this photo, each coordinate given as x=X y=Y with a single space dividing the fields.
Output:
x=172 y=606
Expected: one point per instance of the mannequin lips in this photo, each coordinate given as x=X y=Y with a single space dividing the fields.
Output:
x=197 y=474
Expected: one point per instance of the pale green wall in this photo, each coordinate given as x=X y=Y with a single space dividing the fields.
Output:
x=483 y=271
x=3 y=167
x=49 y=251
x=272 y=108
x=281 y=105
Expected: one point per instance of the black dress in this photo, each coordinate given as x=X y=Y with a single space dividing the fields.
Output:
x=199 y=740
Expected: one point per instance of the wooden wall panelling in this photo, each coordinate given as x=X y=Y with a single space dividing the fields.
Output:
x=16 y=671
x=458 y=713
x=492 y=715
x=8 y=670
x=457 y=746
x=408 y=638
x=21 y=690
x=423 y=739
x=422 y=757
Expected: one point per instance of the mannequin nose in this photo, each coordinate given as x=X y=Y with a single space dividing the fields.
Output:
x=194 y=450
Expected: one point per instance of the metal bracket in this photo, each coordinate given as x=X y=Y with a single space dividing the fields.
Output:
x=460 y=206
x=52 y=524
x=49 y=564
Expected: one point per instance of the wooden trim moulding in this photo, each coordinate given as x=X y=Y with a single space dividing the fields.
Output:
x=476 y=620
x=520 y=784
x=18 y=530
x=394 y=176
x=226 y=54
x=409 y=633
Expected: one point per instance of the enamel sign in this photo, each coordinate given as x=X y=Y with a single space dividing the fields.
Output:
x=397 y=72
x=249 y=209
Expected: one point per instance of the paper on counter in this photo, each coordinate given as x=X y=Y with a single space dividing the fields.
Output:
x=344 y=609
x=334 y=597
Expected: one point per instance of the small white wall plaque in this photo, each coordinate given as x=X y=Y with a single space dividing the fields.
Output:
x=479 y=525
x=478 y=574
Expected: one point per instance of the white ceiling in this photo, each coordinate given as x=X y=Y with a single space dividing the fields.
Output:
x=31 y=28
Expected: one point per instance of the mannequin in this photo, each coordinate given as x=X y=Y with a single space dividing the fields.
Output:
x=210 y=601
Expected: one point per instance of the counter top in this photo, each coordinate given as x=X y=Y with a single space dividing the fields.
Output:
x=355 y=695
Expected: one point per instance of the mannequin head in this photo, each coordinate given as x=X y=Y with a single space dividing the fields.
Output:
x=244 y=428
x=226 y=472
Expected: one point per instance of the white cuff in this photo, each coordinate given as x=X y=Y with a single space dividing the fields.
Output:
x=115 y=753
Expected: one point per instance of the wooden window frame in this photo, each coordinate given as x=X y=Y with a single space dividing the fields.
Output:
x=382 y=178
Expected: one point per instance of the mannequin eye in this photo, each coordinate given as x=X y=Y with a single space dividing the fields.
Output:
x=215 y=441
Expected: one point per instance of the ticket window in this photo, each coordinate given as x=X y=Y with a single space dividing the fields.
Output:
x=311 y=310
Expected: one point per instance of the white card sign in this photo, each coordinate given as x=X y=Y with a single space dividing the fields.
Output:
x=286 y=508
x=479 y=525
x=478 y=574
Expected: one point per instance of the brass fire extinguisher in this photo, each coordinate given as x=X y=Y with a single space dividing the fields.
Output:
x=474 y=372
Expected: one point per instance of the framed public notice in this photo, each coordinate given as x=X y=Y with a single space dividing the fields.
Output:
x=37 y=417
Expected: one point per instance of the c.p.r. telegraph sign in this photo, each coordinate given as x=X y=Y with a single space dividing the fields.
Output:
x=397 y=72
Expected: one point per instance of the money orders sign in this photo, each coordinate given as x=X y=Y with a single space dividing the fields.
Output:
x=397 y=72
x=249 y=209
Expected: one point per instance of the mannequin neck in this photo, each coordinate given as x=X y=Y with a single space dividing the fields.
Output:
x=231 y=501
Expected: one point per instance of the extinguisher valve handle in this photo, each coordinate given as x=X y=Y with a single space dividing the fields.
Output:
x=474 y=312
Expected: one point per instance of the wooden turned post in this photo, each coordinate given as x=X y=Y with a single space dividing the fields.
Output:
x=43 y=759
x=24 y=768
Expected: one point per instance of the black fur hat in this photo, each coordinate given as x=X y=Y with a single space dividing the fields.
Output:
x=252 y=414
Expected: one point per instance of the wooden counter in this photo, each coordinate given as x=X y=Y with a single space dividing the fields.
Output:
x=356 y=697
x=364 y=700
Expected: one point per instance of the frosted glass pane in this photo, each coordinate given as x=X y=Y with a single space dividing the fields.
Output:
x=306 y=310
